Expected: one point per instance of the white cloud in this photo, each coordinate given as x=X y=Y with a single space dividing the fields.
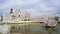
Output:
x=36 y=7
x=55 y=2
x=43 y=9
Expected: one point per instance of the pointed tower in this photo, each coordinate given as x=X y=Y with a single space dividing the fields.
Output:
x=27 y=16
x=11 y=11
x=18 y=15
x=12 y=14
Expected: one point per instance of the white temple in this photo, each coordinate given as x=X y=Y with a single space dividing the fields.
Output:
x=17 y=16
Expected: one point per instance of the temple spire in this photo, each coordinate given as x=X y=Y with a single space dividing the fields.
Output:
x=11 y=10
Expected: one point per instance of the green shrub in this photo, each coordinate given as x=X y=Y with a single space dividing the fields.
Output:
x=58 y=22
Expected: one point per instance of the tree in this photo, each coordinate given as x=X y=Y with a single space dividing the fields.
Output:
x=1 y=18
x=56 y=18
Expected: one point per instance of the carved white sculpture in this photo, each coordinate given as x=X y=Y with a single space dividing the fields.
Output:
x=5 y=29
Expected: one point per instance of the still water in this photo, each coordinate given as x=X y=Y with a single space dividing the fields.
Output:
x=38 y=29
x=43 y=30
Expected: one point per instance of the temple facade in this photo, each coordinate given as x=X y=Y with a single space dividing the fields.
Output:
x=17 y=16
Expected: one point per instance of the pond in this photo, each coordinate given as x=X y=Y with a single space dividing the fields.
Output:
x=37 y=29
x=43 y=30
x=33 y=29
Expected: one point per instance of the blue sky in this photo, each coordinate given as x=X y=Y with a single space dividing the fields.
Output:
x=37 y=8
